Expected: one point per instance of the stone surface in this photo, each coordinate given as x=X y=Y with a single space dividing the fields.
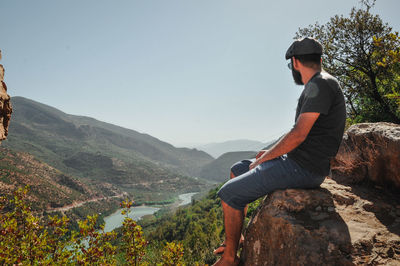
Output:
x=333 y=225
x=369 y=152
x=5 y=106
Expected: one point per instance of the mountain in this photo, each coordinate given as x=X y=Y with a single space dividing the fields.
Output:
x=217 y=149
x=94 y=151
x=219 y=169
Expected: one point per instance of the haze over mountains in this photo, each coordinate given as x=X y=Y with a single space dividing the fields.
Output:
x=217 y=149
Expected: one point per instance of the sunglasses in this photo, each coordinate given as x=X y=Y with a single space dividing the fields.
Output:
x=290 y=65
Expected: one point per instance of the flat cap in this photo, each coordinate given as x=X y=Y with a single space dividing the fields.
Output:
x=304 y=46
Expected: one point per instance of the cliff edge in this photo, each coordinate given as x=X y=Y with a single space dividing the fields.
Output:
x=352 y=219
x=5 y=106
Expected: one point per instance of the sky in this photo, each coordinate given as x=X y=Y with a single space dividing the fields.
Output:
x=185 y=71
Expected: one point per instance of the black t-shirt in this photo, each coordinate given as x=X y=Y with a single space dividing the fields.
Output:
x=322 y=94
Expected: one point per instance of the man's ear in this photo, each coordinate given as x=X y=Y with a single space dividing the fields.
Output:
x=296 y=63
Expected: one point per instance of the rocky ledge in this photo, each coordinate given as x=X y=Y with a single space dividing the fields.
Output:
x=345 y=222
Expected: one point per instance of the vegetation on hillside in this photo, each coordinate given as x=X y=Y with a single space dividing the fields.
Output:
x=198 y=227
x=364 y=54
x=50 y=188
x=26 y=239
x=186 y=237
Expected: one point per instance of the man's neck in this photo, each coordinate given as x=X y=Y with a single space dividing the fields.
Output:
x=308 y=73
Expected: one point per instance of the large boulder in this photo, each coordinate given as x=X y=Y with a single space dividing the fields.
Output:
x=333 y=225
x=369 y=152
x=5 y=106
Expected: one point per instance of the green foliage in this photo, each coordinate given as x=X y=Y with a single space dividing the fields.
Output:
x=364 y=54
x=91 y=247
x=186 y=237
x=198 y=227
x=172 y=254
x=22 y=239
x=27 y=240
x=134 y=242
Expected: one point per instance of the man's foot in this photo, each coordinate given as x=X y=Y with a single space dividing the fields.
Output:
x=220 y=250
x=227 y=262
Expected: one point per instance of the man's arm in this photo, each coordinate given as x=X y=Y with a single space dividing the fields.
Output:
x=291 y=140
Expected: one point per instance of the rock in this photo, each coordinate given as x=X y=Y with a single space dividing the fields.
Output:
x=5 y=106
x=351 y=226
x=369 y=152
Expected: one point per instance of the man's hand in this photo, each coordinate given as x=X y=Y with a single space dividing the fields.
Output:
x=259 y=154
x=253 y=165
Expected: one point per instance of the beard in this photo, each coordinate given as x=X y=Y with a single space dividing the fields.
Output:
x=297 y=77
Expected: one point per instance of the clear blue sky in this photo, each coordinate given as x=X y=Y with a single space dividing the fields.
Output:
x=182 y=71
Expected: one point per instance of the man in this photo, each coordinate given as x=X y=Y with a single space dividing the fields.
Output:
x=300 y=159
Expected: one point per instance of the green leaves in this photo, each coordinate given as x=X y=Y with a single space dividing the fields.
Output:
x=363 y=53
x=172 y=254
x=28 y=240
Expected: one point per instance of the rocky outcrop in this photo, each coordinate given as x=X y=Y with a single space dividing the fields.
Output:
x=369 y=152
x=333 y=225
x=5 y=106
x=348 y=221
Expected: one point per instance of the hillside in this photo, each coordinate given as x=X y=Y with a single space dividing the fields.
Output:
x=47 y=126
x=49 y=188
x=97 y=152
x=218 y=170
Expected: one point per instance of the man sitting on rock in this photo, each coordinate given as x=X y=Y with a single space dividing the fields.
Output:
x=300 y=159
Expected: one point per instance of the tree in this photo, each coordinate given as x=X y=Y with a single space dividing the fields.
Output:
x=364 y=54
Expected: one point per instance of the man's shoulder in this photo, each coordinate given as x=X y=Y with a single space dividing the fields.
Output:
x=325 y=79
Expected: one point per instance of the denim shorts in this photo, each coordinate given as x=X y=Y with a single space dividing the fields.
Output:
x=279 y=173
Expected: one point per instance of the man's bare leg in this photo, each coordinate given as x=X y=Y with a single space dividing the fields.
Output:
x=221 y=248
x=233 y=220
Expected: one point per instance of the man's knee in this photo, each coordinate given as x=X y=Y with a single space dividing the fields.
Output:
x=232 y=175
x=240 y=168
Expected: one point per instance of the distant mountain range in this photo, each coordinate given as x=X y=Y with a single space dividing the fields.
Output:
x=217 y=149
x=98 y=152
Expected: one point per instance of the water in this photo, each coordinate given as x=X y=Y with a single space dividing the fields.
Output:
x=186 y=198
x=115 y=220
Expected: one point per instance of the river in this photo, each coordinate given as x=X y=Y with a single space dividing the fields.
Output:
x=186 y=198
x=115 y=220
